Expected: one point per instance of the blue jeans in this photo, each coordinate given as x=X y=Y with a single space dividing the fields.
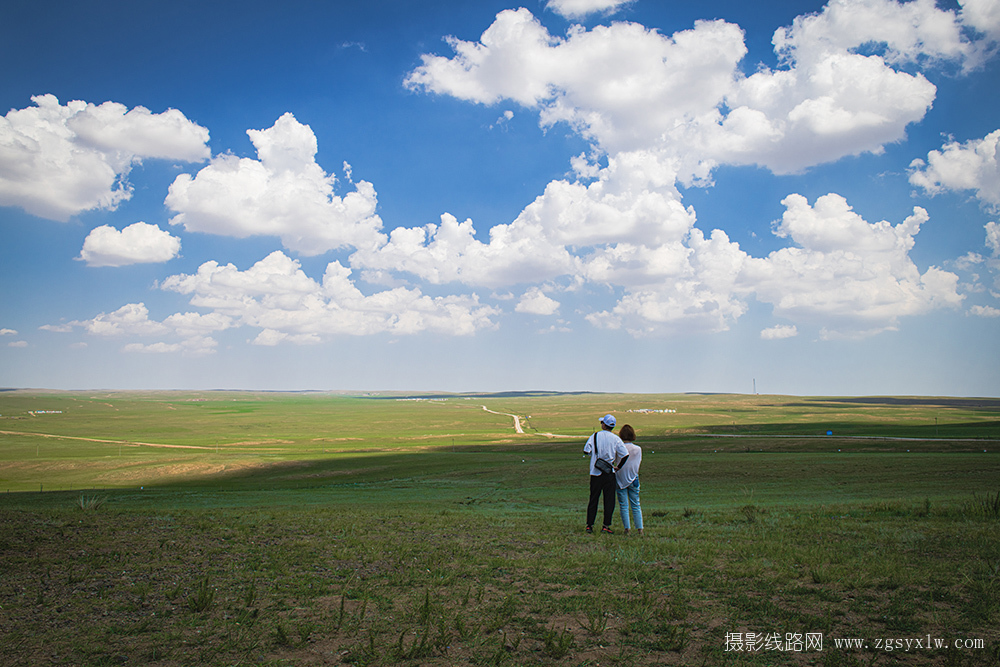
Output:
x=629 y=497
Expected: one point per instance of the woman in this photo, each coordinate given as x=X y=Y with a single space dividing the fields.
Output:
x=627 y=478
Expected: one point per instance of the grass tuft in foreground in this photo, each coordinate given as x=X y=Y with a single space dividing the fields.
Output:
x=90 y=503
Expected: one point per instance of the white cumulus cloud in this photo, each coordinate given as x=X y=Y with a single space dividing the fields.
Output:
x=855 y=276
x=57 y=328
x=993 y=238
x=152 y=348
x=982 y=16
x=701 y=295
x=193 y=325
x=59 y=160
x=973 y=165
x=283 y=193
x=138 y=243
x=779 y=332
x=622 y=86
x=993 y=263
x=276 y=296
x=271 y=338
x=132 y=321
x=572 y=229
x=536 y=302
x=660 y=112
x=663 y=110
x=685 y=97
x=901 y=31
x=984 y=311
x=449 y=252
x=577 y=9
x=196 y=346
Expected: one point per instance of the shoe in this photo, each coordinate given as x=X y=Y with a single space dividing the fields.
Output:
x=626 y=531
x=607 y=529
x=590 y=530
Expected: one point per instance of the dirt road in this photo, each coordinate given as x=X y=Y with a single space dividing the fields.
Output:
x=109 y=442
x=517 y=420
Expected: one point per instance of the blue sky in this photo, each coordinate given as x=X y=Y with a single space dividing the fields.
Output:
x=566 y=195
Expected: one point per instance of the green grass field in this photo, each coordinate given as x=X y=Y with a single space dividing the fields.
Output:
x=232 y=528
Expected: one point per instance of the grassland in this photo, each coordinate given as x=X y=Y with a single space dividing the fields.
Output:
x=226 y=528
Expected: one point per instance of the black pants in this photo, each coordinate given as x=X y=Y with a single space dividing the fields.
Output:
x=603 y=483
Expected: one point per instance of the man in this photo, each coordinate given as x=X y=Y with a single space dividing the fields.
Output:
x=607 y=446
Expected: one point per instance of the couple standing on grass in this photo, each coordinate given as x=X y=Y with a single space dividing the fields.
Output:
x=614 y=468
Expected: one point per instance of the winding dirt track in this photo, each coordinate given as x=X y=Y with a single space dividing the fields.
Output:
x=518 y=429
x=517 y=420
x=108 y=442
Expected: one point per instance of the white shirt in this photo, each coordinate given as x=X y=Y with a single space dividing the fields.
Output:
x=609 y=447
x=630 y=471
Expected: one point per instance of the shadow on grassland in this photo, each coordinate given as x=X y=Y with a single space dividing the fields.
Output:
x=985 y=404
x=692 y=469
x=371 y=467
x=946 y=435
x=431 y=475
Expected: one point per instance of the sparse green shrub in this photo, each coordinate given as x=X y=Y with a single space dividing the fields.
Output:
x=420 y=647
x=356 y=620
x=677 y=608
x=247 y=617
x=925 y=511
x=365 y=653
x=305 y=631
x=750 y=513
x=174 y=592
x=982 y=586
x=595 y=618
x=424 y=611
x=89 y=503
x=340 y=614
x=986 y=506
x=500 y=654
x=443 y=636
x=464 y=631
x=558 y=644
x=141 y=590
x=281 y=637
x=202 y=598
x=819 y=574
x=501 y=614
x=250 y=594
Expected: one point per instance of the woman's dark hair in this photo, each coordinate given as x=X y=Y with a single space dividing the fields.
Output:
x=627 y=433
